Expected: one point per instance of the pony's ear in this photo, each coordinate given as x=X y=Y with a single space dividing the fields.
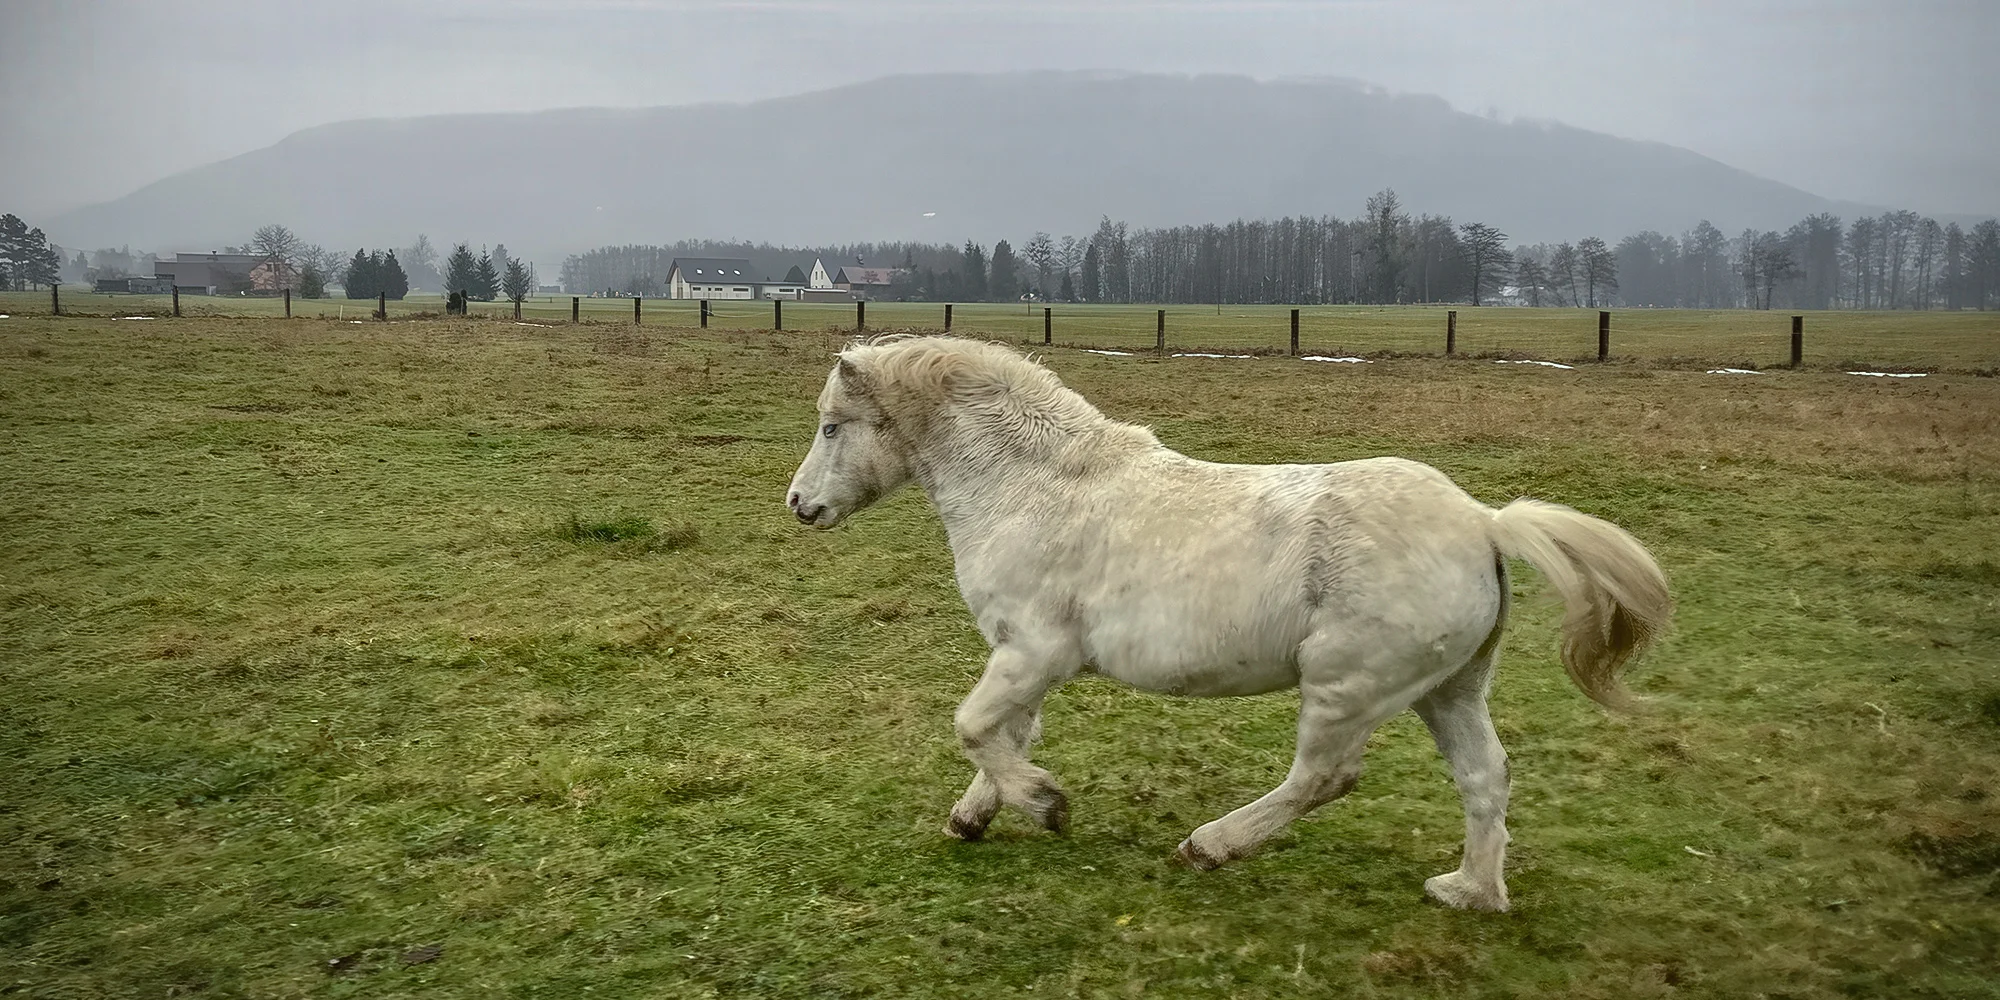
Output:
x=853 y=379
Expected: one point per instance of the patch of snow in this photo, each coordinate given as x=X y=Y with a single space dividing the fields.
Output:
x=1733 y=371
x=542 y=325
x=135 y=317
x=1345 y=361
x=1121 y=354
x=356 y=322
x=1891 y=374
x=3 y=315
x=1214 y=355
x=1549 y=364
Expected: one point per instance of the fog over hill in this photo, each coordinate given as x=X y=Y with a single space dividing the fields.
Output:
x=993 y=156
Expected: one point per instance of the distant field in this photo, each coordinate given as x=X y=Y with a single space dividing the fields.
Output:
x=1732 y=337
x=463 y=659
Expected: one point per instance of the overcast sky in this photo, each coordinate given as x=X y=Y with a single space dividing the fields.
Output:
x=1881 y=102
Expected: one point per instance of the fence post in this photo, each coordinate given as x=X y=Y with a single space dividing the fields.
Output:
x=1450 y=332
x=382 y=305
x=1048 y=325
x=1160 y=334
x=1798 y=340
x=576 y=308
x=1295 y=333
x=704 y=312
x=777 y=314
x=860 y=315
x=636 y=299
x=947 y=317
x=55 y=300
x=177 y=300
x=288 y=303
x=1603 y=335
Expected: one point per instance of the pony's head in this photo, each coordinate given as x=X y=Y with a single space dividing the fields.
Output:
x=855 y=459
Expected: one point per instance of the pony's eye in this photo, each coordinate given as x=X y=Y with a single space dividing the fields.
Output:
x=829 y=429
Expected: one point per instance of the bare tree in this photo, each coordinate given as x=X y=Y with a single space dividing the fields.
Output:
x=1486 y=255
x=1599 y=267
x=280 y=248
x=1041 y=252
x=1562 y=274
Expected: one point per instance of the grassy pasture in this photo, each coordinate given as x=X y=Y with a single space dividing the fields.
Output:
x=470 y=659
x=1915 y=341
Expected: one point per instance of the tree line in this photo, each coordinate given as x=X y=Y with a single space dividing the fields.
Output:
x=1897 y=260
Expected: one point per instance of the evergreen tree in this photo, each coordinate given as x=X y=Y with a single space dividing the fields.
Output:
x=500 y=261
x=461 y=270
x=1005 y=280
x=312 y=283
x=44 y=265
x=389 y=276
x=361 y=281
x=518 y=283
x=972 y=271
x=485 y=280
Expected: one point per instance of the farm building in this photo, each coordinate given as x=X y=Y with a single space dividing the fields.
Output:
x=724 y=278
x=209 y=273
x=866 y=282
x=138 y=284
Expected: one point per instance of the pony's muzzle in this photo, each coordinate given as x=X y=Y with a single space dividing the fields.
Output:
x=806 y=513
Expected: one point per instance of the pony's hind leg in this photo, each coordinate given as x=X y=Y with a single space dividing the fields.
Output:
x=995 y=725
x=1335 y=718
x=1457 y=717
x=981 y=802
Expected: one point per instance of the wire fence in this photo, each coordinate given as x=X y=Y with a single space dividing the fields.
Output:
x=1731 y=338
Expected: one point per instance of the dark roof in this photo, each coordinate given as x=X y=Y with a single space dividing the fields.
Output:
x=866 y=276
x=795 y=275
x=714 y=269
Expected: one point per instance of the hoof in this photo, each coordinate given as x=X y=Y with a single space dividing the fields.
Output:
x=1455 y=890
x=1055 y=814
x=1198 y=859
x=966 y=827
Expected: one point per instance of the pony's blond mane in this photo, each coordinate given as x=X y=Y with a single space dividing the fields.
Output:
x=914 y=379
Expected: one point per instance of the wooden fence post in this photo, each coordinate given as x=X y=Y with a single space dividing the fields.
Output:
x=777 y=314
x=382 y=305
x=1450 y=332
x=288 y=303
x=947 y=317
x=1048 y=325
x=55 y=300
x=1160 y=334
x=1295 y=333
x=1798 y=340
x=177 y=300
x=1603 y=335
x=860 y=315
x=576 y=308
x=636 y=299
x=703 y=309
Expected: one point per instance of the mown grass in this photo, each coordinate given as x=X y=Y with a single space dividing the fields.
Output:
x=326 y=646
x=1913 y=341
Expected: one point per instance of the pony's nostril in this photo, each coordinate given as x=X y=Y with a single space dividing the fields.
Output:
x=792 y=501
x=809 y=514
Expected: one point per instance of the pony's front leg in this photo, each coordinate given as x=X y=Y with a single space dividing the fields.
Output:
x=981 y=802
x=995 y=724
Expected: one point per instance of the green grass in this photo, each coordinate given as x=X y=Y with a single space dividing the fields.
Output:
x=1924 y=341
x=324 y=645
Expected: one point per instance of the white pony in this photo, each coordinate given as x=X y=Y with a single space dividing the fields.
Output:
x=1084 y=545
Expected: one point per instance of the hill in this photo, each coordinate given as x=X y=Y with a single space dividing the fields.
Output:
x=993 y=156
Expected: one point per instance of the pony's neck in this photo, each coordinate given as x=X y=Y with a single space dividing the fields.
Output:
x=979 y=474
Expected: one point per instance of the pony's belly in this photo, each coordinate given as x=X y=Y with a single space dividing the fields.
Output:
x=1199 y=667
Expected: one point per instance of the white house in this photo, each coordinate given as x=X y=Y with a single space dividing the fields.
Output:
x=819 y=277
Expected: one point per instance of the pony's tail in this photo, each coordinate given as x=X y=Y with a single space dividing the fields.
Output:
x=1615 y=594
